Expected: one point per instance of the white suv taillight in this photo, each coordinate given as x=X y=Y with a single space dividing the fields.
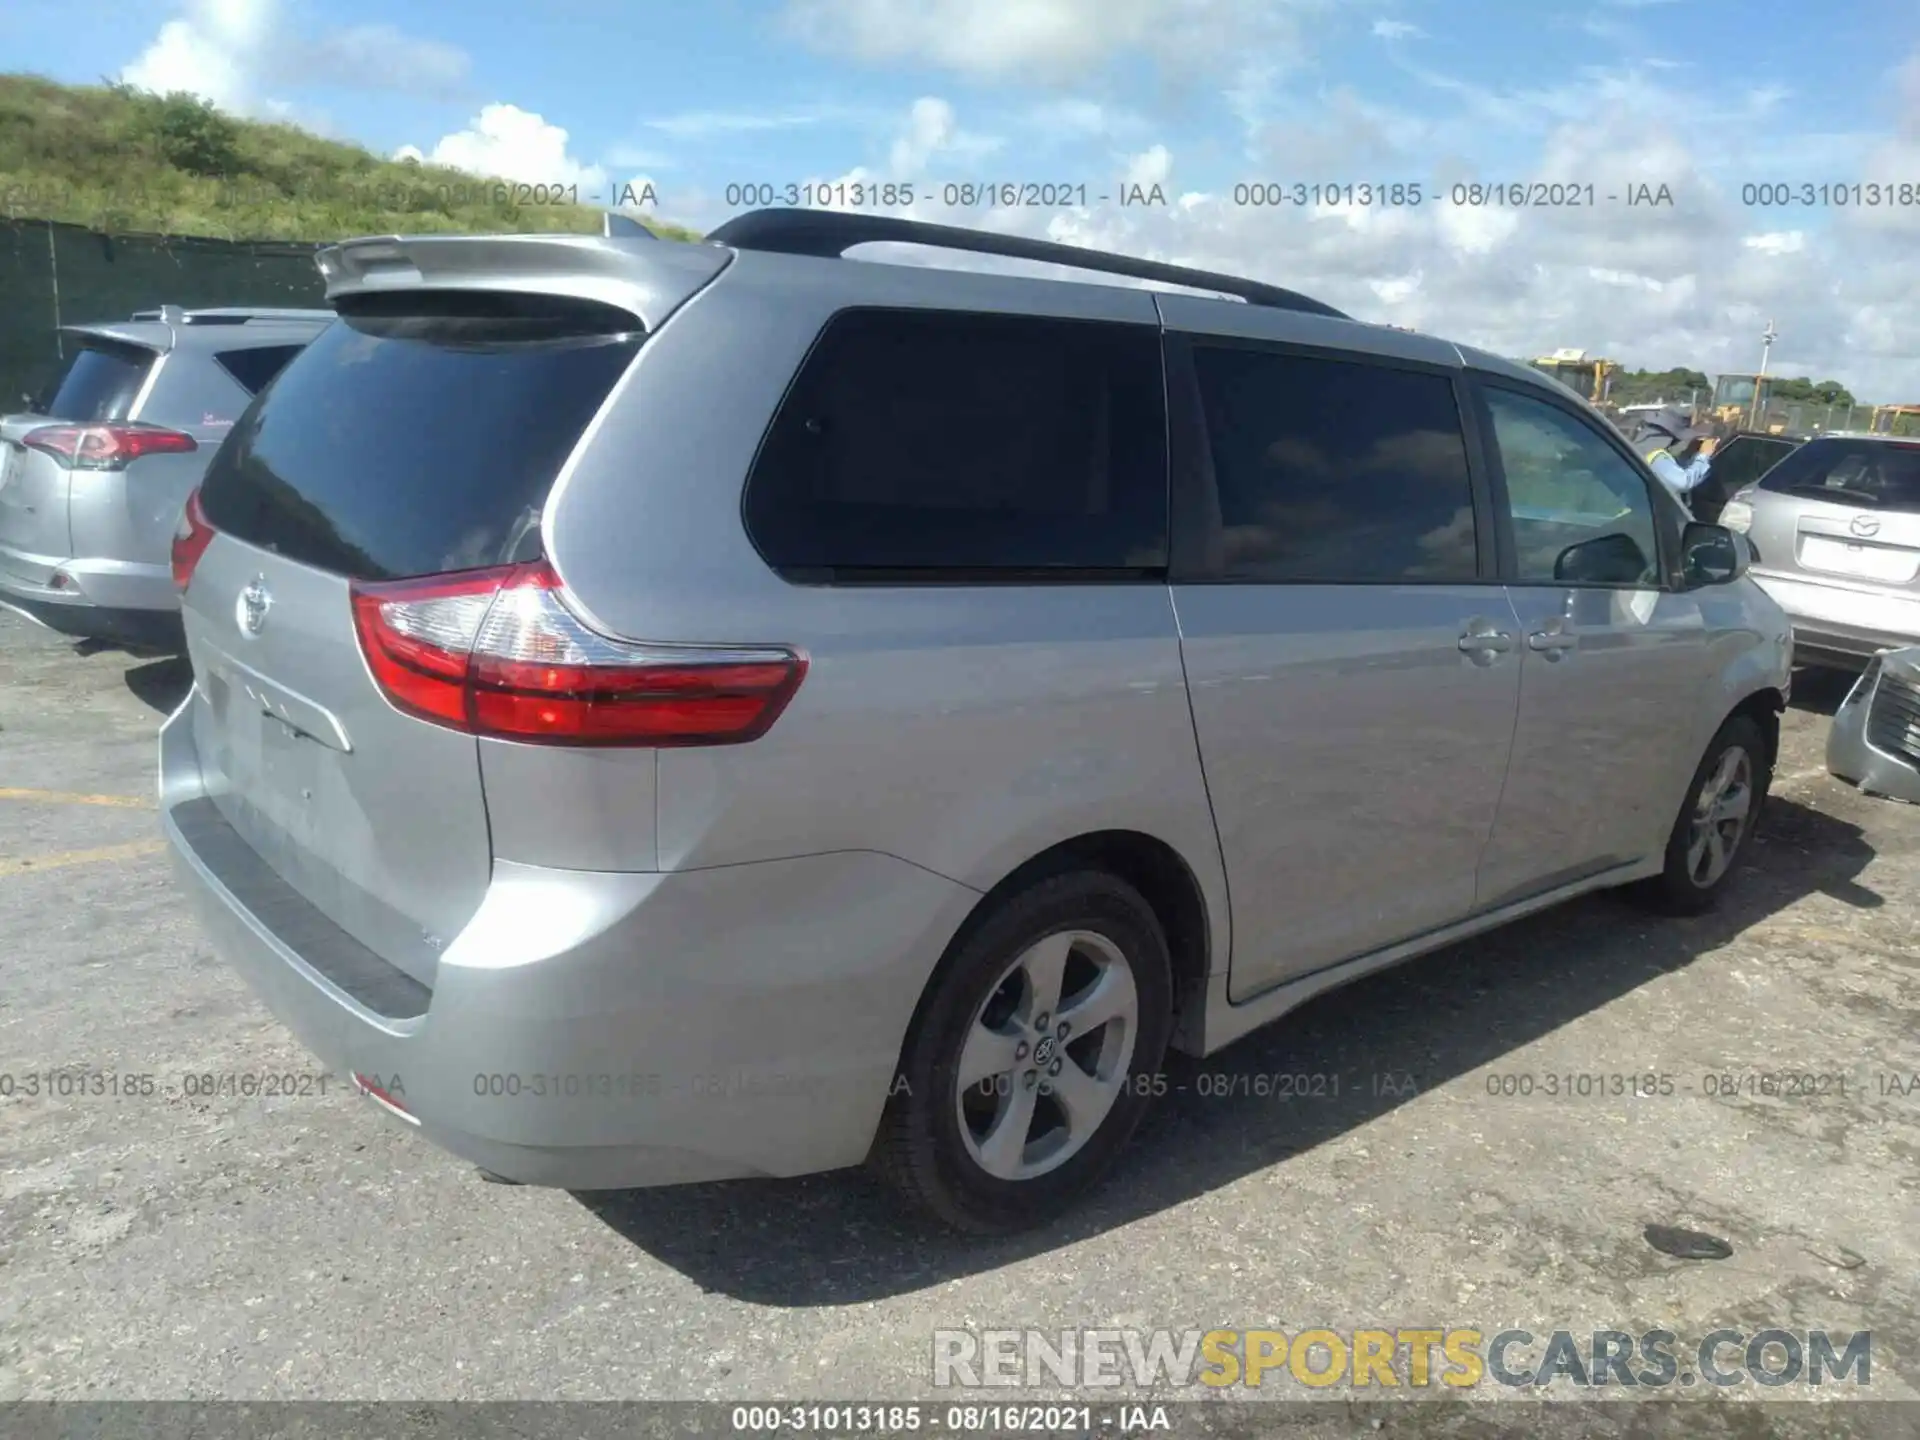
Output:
x=190 y=540
x=497 y=652
x=111 y=446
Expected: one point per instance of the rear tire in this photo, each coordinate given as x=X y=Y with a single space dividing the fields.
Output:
x=1722 y=806
x=1019 y=1144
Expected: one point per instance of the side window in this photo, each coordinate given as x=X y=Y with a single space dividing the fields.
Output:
x=1581 y=513
x=1334 y=471
x=926 y=440
x=254 y=367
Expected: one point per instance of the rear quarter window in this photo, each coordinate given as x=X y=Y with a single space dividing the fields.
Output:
x=932 y=443
x=419 y=435
x=253 y=367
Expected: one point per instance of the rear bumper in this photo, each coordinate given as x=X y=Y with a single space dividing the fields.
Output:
x=115 y=600
x=1836 y=624
x=598 y=1030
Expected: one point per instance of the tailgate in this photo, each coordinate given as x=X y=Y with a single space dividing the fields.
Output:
x=100 y=381
x=419 y=436
x=1864 y=545
x=34 y=490
x=1853 y=508
x=375 y=818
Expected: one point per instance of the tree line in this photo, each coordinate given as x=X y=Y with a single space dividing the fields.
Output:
x=1642 y=387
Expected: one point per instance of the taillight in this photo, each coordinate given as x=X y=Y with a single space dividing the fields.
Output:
x=106 y=447
x=190 y=540
x=497 y=652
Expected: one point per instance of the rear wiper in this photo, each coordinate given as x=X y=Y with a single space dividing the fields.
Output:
x=1831 y=492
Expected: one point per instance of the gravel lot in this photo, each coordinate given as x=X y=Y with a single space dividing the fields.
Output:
x=192 y=1247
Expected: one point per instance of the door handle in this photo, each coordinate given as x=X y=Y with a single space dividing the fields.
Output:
x=1552 y=643
x=1482 y=645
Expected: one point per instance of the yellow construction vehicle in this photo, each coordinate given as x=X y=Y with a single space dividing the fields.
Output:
x=1740 y=402
x=1588 y=377
x=1896 y=420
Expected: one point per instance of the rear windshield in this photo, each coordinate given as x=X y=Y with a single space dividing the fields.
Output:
x=1870 y=474
x=421 y=434
x=99 y=383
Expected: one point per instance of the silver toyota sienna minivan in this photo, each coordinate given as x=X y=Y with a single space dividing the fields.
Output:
x=665 y=712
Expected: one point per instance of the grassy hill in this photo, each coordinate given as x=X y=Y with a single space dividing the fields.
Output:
x=122 y=160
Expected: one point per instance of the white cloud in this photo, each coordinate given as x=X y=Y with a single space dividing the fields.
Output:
x=1690 y=284
x=1149 y=168
x=215 y=52
x=513 y=144
x=693 y=125
x=1048 y=40
x=1622 y=279
x=1396 y=30
x=1397 y=289
x=931 y=130
x=638 y=157
x=241 y=54
x=380 y=57
x=1476 y=229
x=1074 y=117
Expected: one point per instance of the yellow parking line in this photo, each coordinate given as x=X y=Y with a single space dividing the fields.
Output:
x=75 y=797
x=54 y=861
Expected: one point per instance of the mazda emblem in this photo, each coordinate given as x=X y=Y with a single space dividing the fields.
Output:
x=255 y=601
x=1864 y=525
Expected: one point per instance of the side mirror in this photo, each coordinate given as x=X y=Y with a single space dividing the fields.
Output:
x=1712 y=555
x=1614 y=559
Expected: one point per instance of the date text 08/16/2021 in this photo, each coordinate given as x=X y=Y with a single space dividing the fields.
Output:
x=1065 y=194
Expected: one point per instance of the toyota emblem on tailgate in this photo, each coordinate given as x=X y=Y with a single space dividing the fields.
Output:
x=255 y=601
x=1864 y=525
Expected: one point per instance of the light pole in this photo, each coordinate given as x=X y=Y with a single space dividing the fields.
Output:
x=1760 y=381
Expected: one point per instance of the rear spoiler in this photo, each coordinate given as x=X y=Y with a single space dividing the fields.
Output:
x=123 y=332
x=648 y=281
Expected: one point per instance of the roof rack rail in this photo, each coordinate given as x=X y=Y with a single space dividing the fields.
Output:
x=227 y=314
x=242 y=314
x=831 y=233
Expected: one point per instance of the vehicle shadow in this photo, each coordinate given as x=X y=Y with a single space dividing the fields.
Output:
x=840 y=1238
x=1819 y=691
x=161 y=684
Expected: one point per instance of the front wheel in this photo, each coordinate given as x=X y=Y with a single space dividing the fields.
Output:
x=1033 y=1057
x=1723 y=803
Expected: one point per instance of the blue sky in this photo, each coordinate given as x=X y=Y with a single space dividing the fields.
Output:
x=1197 y=95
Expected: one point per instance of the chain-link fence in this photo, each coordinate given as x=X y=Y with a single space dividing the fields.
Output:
x=1810 y=417
x=53 y=275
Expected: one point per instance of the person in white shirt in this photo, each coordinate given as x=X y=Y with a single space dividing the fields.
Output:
x=1669 y=442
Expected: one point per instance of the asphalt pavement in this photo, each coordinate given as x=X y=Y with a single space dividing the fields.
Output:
x=203 y=1242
